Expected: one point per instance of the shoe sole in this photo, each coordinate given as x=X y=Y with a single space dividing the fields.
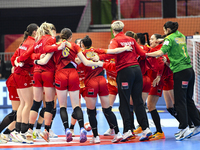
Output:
x=146 y=138
x=184 y=137
x=69 y=137
x=83 y=137
x=194 y=134
x=126 y=139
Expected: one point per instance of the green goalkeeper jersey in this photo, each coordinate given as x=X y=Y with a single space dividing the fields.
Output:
x=175 y=46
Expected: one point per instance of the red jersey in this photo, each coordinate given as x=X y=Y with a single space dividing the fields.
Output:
x=94 y=70
x=158 y=65
x=46 y=44
x=111 y=72
x=63 y=57
x=28 y=63
x=127 y=58
x=167 y=71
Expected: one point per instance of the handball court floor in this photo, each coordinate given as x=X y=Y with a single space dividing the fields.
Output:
x=169 y=126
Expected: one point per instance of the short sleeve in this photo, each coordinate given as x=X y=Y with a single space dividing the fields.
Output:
x=166 y=46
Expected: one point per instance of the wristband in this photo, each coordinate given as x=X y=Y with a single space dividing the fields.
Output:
x=36 y=62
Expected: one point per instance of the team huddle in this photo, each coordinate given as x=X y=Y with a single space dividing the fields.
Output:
x=47 y=67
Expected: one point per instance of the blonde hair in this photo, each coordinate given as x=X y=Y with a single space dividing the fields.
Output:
x=44 y=29
x=117 y=26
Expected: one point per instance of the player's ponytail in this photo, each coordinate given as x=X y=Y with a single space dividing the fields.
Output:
x=29 y=31
x=87 y=42
x=173 y=26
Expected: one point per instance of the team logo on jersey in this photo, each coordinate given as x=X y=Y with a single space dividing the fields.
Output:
x=89 y=55
x=65 y=52
x=184 y=84
x=91 y=91
x=124 y=85
x=25 y=84
x=180 y=40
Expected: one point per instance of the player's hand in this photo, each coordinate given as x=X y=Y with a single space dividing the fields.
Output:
x=156 y=81
x=95 y=57
x=62 y=46
x=128 y=48
x=42 y=56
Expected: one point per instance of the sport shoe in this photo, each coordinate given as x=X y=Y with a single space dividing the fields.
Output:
x=29 y=135
x=68 y=135
x=6 y=137
x=109 y=132
x=22 y=138
x=158 y=136
x=146 y=134
x=138 y=130
x=2 y=141
x=14 y=136
x=126 y=135
x=195 y=131
x=45 y=135
x=95 y=140
x=183 y=133
x=72 y=131
x=83 y=135
x=133 y=137
x=36 y=134
x=118 y=137
x=52 y=134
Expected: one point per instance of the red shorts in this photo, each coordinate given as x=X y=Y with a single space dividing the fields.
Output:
x=146 y=84
x=43 y=79
x=156 y=90
x=13 y=96
x=96 y=85
x=81 y=92
x=22 y=81
x=67 y=79
x=113 y=90
x=168 y=83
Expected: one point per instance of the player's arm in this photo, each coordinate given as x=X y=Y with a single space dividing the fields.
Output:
x=45 y=60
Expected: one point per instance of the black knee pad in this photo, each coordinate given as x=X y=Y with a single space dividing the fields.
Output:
x=12 y=115
x=36 y=105
x=49 y=106
x=53 y=112
x=91 y=112
x=107 y=110
x=74 y=115
x=42 y=112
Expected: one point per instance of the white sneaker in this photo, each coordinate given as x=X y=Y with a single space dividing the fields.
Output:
x=195 y=131
x=95 y=140
x=109 y=132
x=2 y=141
x=14 y=136
x=45 y=135
x=72 y=131
x=6 y=137
x=36 y=134
x=126 y=135
x=118 y=137
x=145 y=134
x=22 y=138
x=183 y=133
x=52 y=134
x=29 y=135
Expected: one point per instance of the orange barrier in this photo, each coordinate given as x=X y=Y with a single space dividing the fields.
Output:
x=102 y=39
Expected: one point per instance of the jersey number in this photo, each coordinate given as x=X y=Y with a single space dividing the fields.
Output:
x=183 y=48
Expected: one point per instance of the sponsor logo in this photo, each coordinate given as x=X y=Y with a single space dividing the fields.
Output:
x=166 y=43
x=37 y=46
x=125 y=85
x=127 y=43
x=91 y=91
x=23 y=47
x=184 y=84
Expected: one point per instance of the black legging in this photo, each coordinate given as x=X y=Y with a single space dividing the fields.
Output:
x=183 y=92
x=129 y=82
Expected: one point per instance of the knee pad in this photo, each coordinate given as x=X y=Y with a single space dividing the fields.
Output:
x=74 y=115
x=53 y=112
x=49 y=106
x=91 y=112
x=42 y=112
x=107 y=110
x=12 y=115
x=36 y=105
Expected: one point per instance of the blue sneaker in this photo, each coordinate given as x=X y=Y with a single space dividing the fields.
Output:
x=68 y=134
x=83 y=135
